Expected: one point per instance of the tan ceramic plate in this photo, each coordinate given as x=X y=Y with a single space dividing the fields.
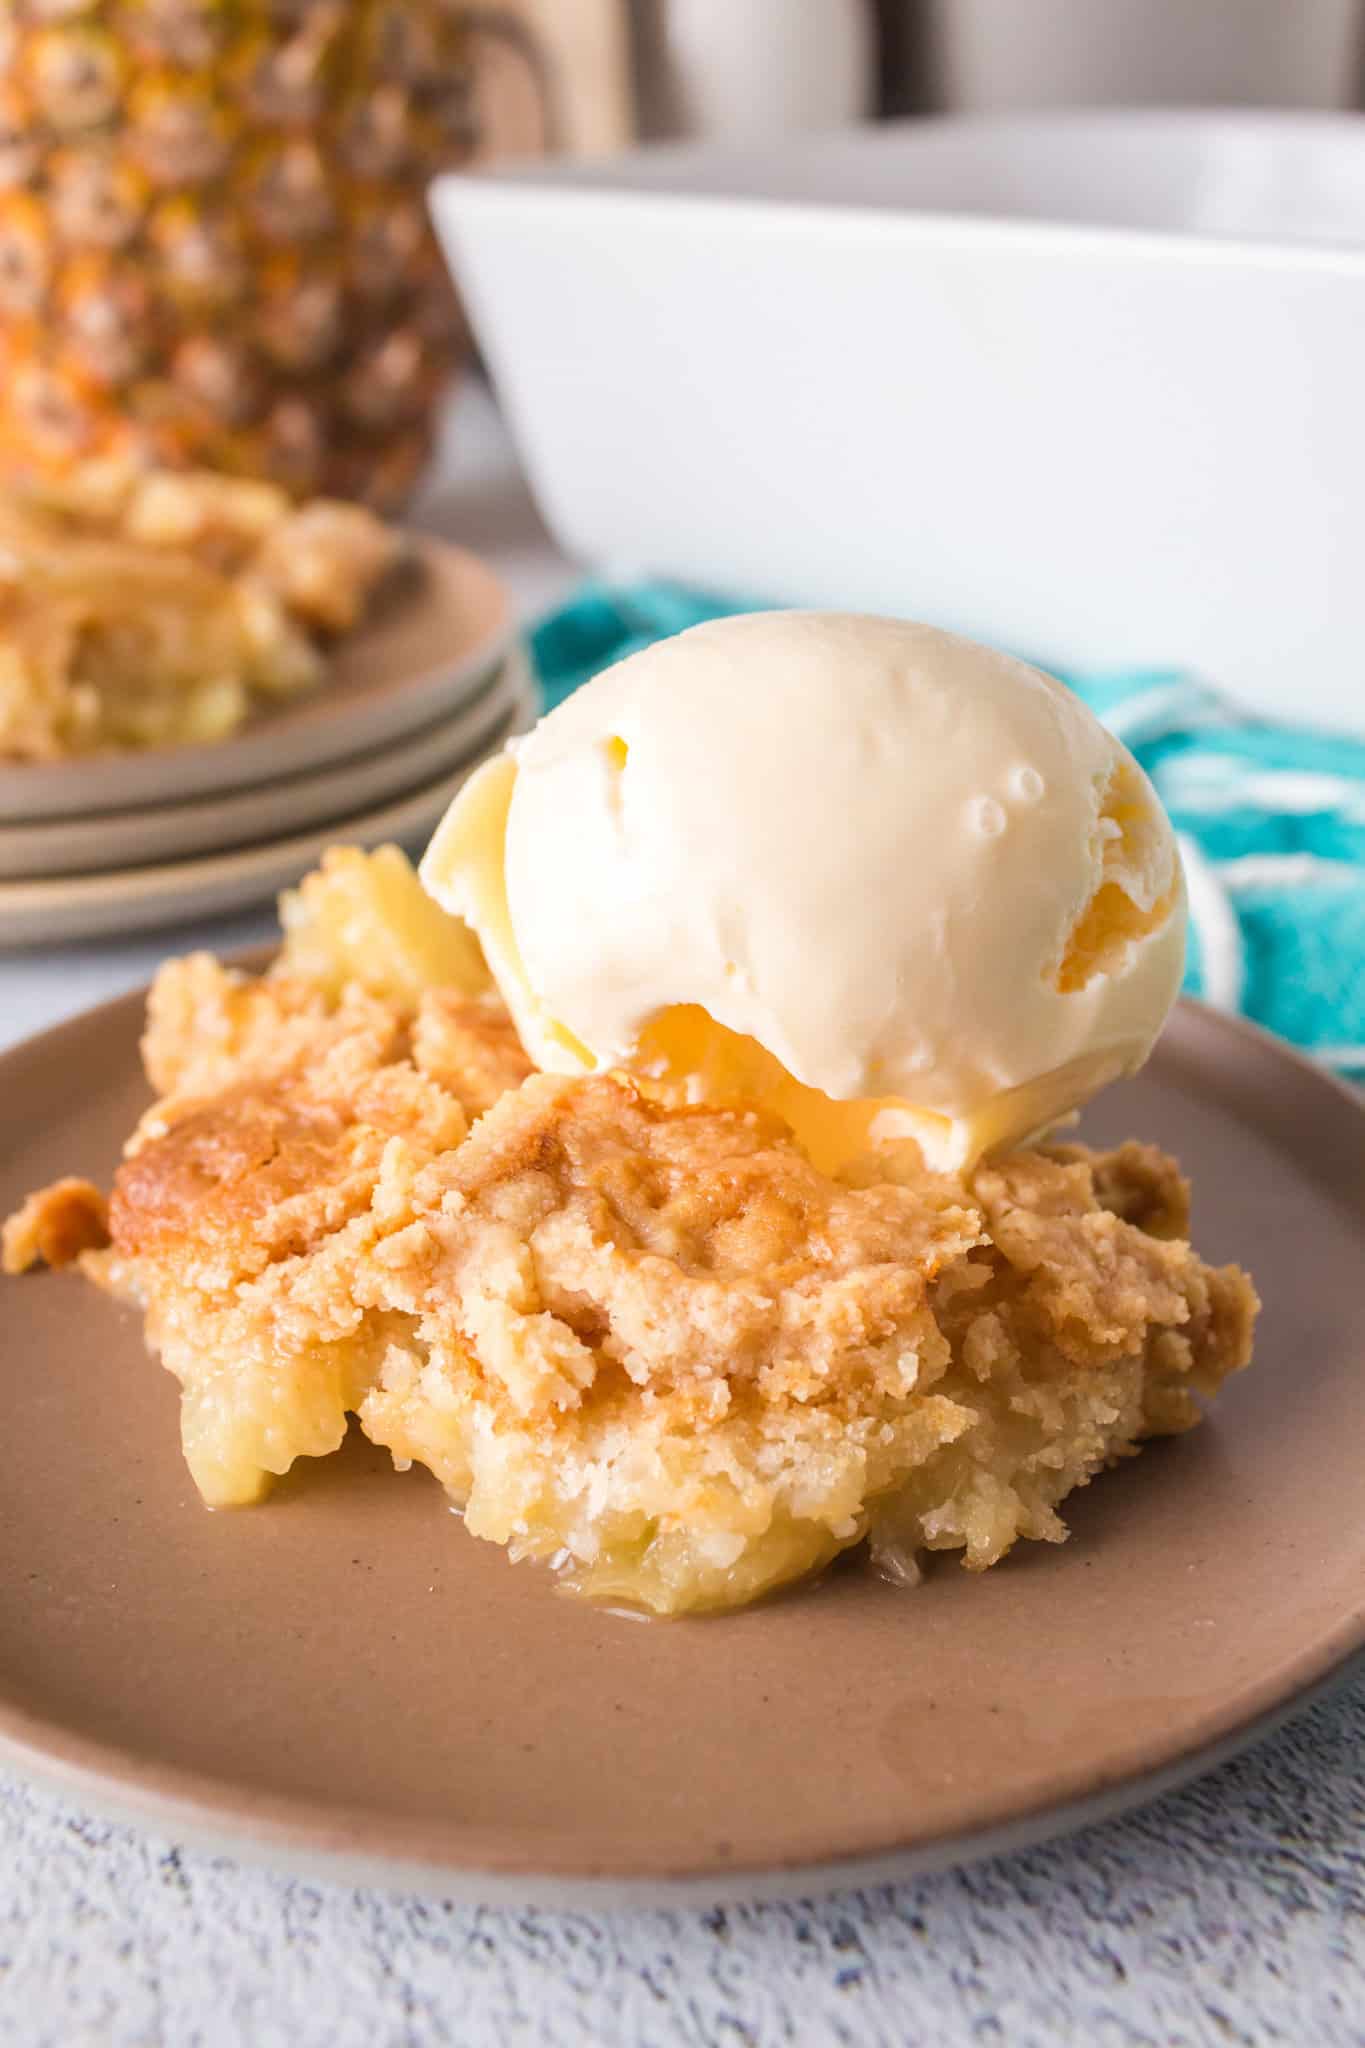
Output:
x=42 y=848
x=344 y=1678
x=65 y=907
x=435 y=641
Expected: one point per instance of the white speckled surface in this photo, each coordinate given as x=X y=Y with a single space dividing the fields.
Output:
x=1232 y=1913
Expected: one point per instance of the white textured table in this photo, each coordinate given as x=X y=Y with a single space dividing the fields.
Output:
x=1232 y=1913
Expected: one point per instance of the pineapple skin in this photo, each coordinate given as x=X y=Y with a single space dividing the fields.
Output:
x=214 y=248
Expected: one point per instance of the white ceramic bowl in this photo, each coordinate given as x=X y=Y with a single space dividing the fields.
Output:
x=1091 y=386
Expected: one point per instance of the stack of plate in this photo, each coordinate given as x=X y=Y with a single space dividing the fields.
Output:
x=415 y=699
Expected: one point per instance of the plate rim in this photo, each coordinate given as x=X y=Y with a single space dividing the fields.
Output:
x=344 y=1841
x=296 y=1841
x=87 y=905
x=464 y=731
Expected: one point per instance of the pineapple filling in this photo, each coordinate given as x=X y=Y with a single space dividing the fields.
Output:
x=362 y=918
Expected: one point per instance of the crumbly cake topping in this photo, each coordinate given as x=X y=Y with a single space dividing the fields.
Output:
x=652 y=1344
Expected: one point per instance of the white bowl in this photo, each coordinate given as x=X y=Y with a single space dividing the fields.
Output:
x=1091 y=386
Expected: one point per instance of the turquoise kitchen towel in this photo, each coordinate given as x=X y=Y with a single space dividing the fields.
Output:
x=1271 y=818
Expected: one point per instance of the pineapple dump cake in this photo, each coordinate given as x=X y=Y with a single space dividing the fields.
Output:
x=157 y=609
x=640 y=1322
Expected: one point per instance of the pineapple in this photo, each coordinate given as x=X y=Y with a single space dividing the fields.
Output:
x=365 y=917
x=213 y=241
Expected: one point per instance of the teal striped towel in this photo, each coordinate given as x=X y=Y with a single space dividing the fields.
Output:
x=1271 y=819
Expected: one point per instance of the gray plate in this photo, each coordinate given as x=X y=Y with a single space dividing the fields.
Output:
x=344 y=1679
x=42 y=848
x=137 y=899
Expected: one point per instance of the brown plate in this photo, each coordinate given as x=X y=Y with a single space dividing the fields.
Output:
x=435 y=640
x=344 y=1677
x=42 y=848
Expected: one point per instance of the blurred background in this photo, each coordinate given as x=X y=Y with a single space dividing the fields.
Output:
x=213 y=237
x=656 y=69
x=702 y=67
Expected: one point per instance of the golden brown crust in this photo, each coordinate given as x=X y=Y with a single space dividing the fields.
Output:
x=470 y=1045
x=54 y=1226
x=258 y=1170
x=698 y=1249
x=235 y=1221
x=1139 y=1183
x=1090 y=1283
x=208 y=1024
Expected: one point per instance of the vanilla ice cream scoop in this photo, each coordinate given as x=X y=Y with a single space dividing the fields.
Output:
x=884 y=879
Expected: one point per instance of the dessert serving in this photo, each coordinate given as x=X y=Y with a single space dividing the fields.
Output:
x=675 y=1176
x=143 y=609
